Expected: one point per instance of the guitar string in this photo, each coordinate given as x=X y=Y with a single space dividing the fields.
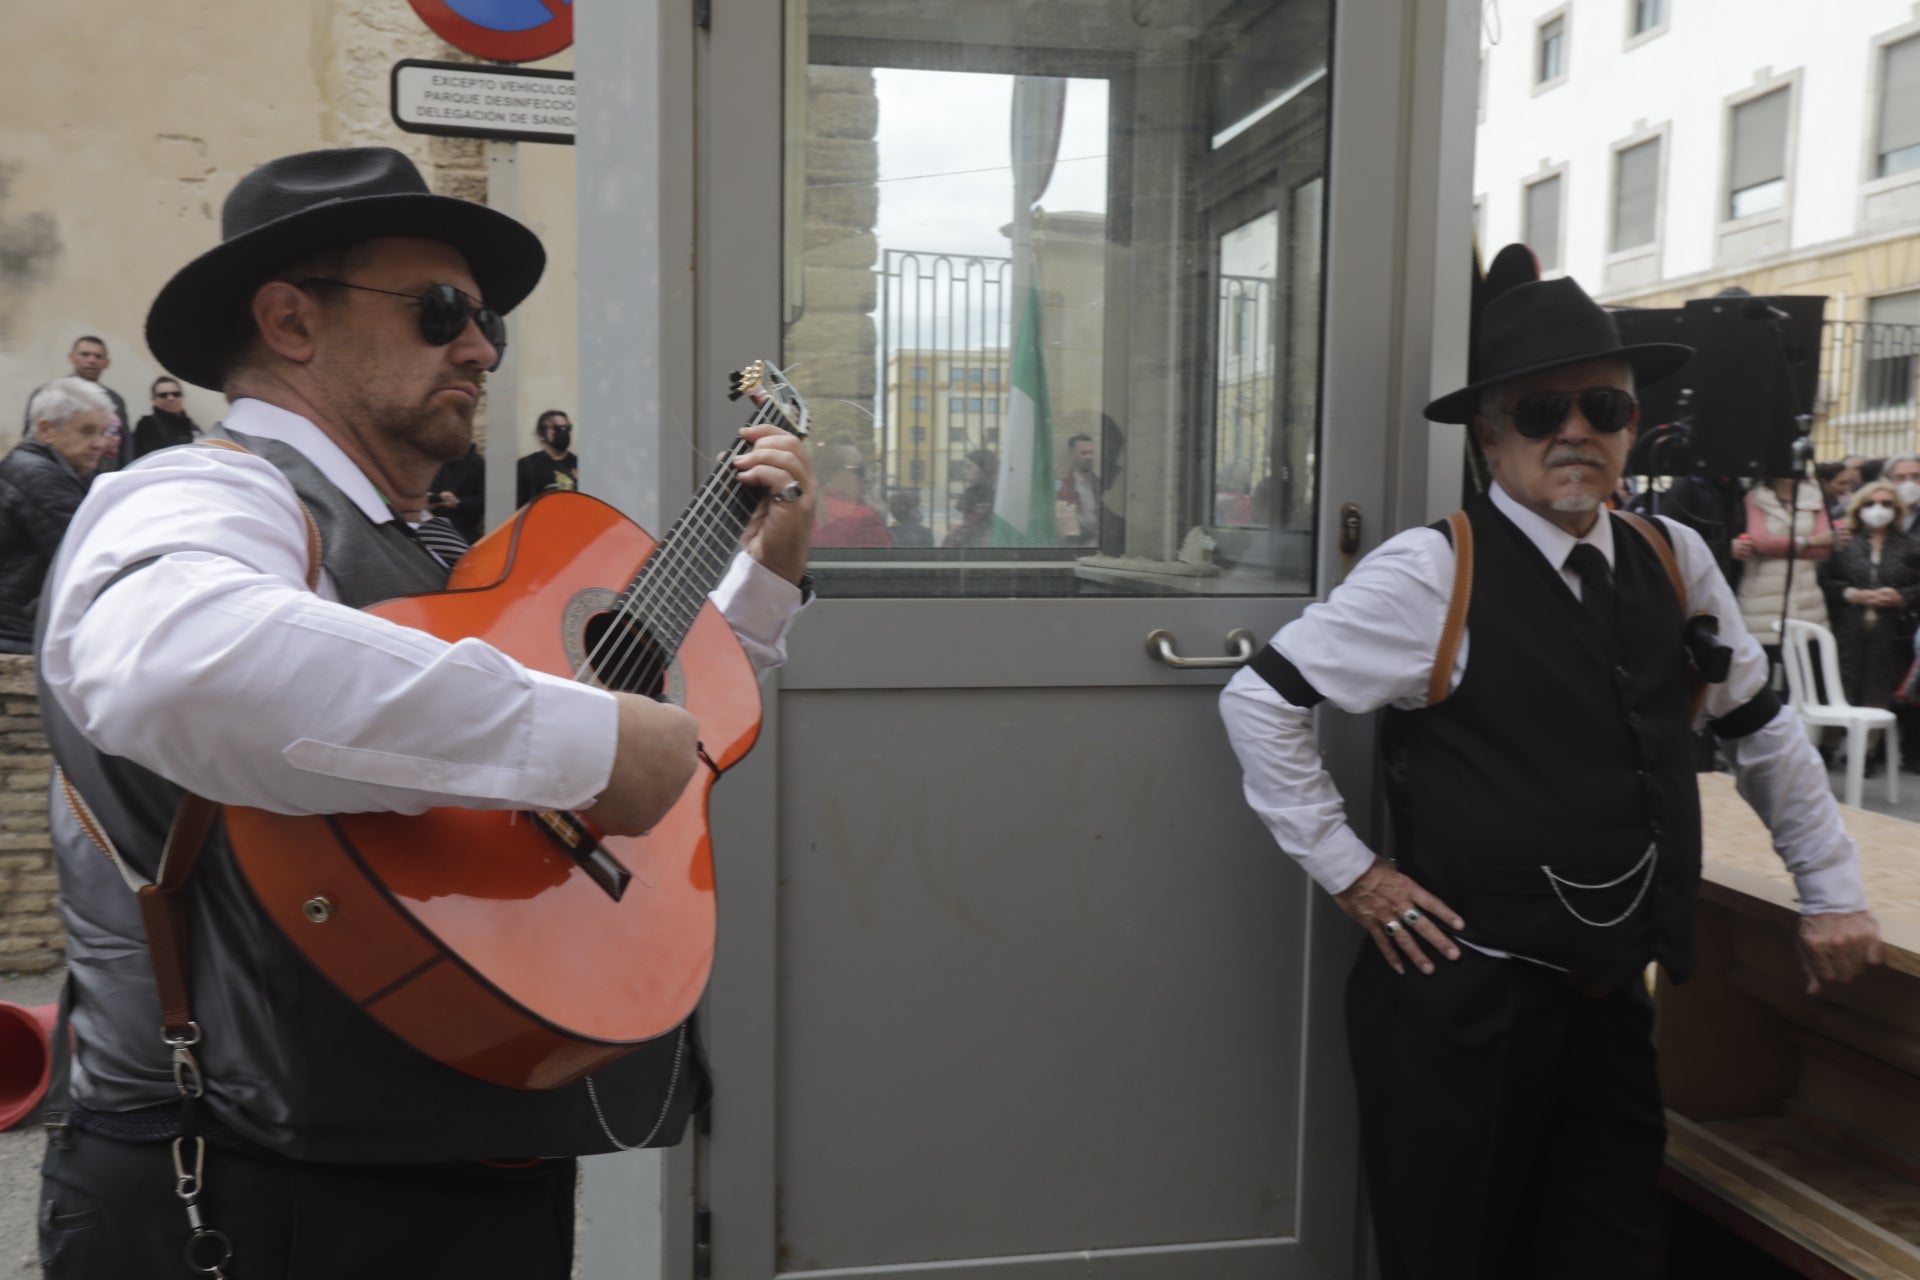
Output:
x=707 y=515
x=670 y=572
x=608 y=666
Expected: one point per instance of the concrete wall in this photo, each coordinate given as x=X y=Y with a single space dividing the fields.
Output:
x=1681 y=80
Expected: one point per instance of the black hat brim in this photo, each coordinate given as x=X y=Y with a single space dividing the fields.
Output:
x=199 y=314
x=1650 y=362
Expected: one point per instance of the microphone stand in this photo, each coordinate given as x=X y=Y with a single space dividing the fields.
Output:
x=1803 y=459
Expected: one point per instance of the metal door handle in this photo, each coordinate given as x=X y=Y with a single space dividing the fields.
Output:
x=1240 y=647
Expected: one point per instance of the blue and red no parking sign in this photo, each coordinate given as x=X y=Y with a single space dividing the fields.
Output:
x=501 y=30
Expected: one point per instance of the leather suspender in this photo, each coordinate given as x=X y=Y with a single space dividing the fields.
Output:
x=1441 y=682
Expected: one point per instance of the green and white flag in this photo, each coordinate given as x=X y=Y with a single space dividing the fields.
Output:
x=1023 y=514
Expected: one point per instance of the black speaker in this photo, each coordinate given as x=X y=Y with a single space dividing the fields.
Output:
x=1754 y=375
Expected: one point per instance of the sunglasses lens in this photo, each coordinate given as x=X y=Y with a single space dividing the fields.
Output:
x=1607 y=409
x=443 y=314
x=1540 y=415
x=493 y=327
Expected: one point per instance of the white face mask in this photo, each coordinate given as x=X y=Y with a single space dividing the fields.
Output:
x=1909 y=491
x=1876 y=517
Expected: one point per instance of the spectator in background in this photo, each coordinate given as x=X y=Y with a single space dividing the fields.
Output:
x=1715 y=507
x=1080 y=493
x=1872 y=585
x=42 y=482
x=1837 y=482
x=844 y=519
x=1903 y=470
x=552 y=467
x=459 y=495
x=979 y=478
x=168 y=424
x=1786 y=521
x=908 y=530
x=89 y=359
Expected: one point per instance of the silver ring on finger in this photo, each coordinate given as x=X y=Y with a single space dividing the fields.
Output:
x=789 y=494
x=1393 y=928
x=1412 y=916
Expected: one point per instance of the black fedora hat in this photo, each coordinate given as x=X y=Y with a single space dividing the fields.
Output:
x=1549 y=324
x=309 y=203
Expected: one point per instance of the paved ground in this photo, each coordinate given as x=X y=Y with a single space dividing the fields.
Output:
x=20 y=1146
x=20 y=1149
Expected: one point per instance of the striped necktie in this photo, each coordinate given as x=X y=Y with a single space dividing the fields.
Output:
x=439 y=536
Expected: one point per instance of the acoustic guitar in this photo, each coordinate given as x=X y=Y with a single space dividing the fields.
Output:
x=529 y=948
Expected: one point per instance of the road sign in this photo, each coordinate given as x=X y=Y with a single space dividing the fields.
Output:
x=501 y=30
x=463 y=100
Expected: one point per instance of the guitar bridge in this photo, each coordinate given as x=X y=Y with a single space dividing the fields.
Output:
x=572 y=837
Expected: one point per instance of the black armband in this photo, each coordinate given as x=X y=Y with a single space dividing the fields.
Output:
x=1272 y=666
x=1756 y=715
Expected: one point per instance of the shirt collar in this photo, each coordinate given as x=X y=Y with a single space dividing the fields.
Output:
x=1555 y=543
x=258 y=418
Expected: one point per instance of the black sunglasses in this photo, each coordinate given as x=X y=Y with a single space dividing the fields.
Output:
x=1606 y=409
x=444 y=312
x=166 y=395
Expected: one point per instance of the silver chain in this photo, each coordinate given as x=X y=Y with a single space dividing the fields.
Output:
x=1648 y=860
x=673 y=1083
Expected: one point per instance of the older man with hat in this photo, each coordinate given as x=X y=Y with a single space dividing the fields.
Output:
x=1546 y=821
x=203 y=633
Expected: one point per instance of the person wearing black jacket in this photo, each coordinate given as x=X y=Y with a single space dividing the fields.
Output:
x=89 y=359
x=459 y=493
x=42 y=480
x=168 y=424
x=552 y=467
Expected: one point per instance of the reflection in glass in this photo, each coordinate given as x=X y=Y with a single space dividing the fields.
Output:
x=1045 y=302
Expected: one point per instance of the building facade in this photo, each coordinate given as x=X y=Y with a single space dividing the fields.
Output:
x=1661 y=150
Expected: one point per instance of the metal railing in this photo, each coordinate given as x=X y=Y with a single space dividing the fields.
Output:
x=1869 y=400
x=945 y=354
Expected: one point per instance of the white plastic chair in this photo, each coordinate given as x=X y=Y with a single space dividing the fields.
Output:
x=1836 y=711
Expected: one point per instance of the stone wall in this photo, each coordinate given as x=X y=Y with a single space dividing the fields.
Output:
x=30 y=937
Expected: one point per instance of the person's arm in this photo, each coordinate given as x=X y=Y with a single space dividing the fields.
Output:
x=522 y=483
x=215 y=666
x=1833 y=584
x=1778 y=772
x=1369 y=645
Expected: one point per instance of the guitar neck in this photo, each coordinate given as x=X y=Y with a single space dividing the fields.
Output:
x=667 y=594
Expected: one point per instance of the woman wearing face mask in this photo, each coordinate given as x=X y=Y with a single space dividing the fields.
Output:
x=1873 y=587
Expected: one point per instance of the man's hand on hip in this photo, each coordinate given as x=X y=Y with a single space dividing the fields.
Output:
x=1838 y=946
x=1394 y=909
x=657 y=752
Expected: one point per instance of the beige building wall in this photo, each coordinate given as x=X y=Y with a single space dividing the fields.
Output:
x=123 y=127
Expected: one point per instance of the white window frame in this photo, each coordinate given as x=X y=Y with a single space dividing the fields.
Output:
x=1858 y=402
x=1560 y=243
x=1870 y=183
x=1654 y=32
x=1565 y=14
x=1727 y=225
x=1661 y=134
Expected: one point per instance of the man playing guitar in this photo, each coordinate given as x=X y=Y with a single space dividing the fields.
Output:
x=203 y=631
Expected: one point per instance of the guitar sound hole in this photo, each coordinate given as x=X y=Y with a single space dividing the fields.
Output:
x=624 y=656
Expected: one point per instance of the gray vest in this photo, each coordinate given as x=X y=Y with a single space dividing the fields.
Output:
x=290 y=1063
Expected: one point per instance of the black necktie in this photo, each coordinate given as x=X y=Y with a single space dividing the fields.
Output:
x=1596 y=583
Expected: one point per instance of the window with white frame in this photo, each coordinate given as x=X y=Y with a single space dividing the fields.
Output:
x=1645 y=16
x=1893 y=343
x=1550 y=61
x=1540 y=221
x=1757 y=163
x=1898 y=144
x=1636 y=195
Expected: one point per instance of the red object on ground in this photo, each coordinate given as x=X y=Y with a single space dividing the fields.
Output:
x=26 y=1058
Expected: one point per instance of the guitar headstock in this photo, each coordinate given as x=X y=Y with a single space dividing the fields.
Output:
x=784 y=403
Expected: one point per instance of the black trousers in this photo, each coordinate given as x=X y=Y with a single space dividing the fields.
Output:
x=108 y=1212
x=1511 y=1127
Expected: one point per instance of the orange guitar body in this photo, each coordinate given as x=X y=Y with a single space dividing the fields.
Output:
x=473 y=935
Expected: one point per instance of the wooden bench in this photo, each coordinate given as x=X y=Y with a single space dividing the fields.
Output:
x=1795 y=1120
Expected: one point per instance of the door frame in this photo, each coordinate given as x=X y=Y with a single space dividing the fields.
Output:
x=690 y=279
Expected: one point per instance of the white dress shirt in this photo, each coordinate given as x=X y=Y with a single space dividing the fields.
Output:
x=217 y=668
x=1372 y=643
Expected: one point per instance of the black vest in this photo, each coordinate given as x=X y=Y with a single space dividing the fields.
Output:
x=290 y=1063
x=1561 y=758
